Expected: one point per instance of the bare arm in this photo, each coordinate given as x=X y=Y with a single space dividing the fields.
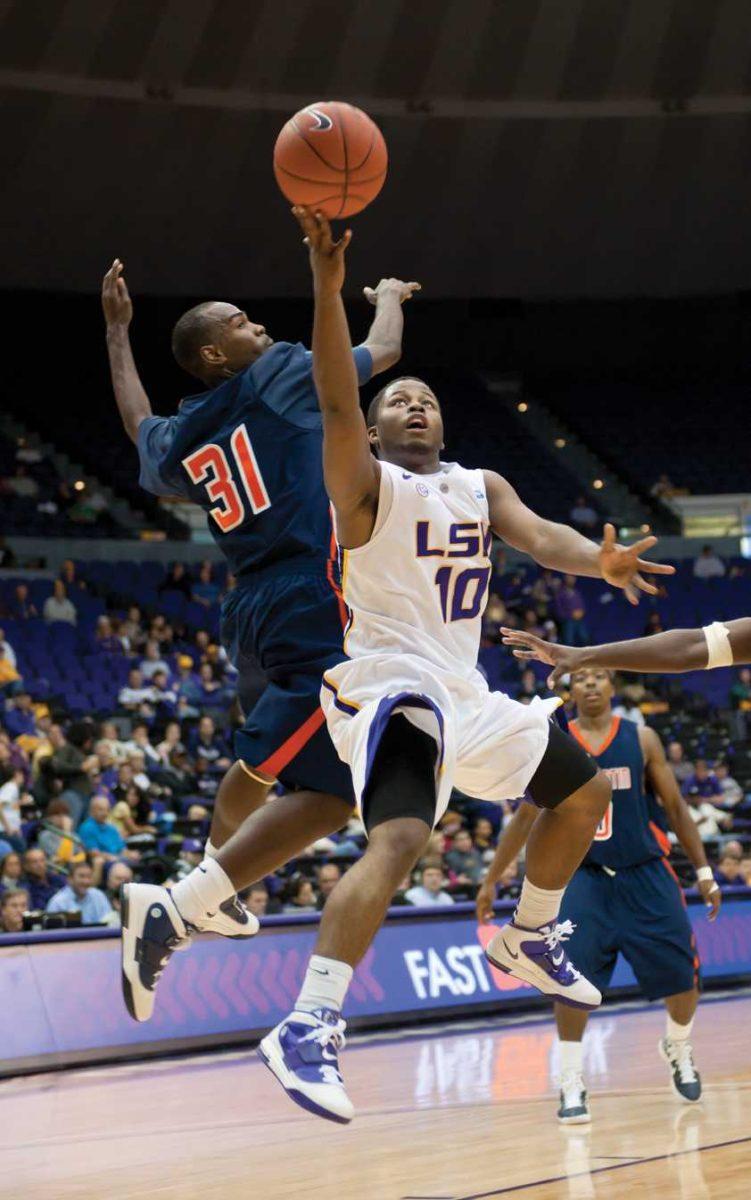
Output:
x=132 y=401
x=384 y=340
x=665 y=787
x=665 y=653
x=513 y=837
x=561 y=548
x=351 y=472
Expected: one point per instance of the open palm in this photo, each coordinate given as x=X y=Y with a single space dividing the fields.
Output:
x=622 y=566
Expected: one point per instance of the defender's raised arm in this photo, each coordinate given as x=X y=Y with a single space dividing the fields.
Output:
x=133 y=403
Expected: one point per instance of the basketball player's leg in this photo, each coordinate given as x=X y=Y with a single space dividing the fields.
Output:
x=574 y=796
x=398 y=810
x=571 y=1023
x=242 y=791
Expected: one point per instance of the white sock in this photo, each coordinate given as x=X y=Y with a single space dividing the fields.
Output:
x=200 y=893
x=676 y=1032
x=537 y=906
x=210 y=850
x=325 y=984
x=572 y=1057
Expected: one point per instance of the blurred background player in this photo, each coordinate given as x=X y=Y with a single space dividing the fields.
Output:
x=248 y=451
x=625 y=895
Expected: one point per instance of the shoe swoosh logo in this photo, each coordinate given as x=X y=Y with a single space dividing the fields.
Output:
x=509 y=950
x=319 y=972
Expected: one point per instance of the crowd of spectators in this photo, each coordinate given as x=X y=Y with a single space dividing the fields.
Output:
x=35 y=496
x=87 y=803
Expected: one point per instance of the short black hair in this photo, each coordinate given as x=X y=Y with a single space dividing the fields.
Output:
x=371 y=417
x=194 y=328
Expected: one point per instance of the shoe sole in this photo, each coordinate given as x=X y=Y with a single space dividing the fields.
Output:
x=683 y=1099
x=584 y=1119
x=270 y=1057
x=522 y=973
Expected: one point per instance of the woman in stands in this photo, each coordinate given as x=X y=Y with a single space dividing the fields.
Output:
x=722 y=644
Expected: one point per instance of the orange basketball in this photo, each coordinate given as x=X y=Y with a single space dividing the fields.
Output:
x=331 y=157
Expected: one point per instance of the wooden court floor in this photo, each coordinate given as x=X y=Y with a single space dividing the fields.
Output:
x=461 y=1114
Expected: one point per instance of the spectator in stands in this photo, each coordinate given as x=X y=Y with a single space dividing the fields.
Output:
x=298 y=895
x=429 y=892
x=703 y=783
x=631 y=698
x=59 y=843
x=73 y=765
x=746 y=870
x=98 y=832
x=327 y=877
x=529 y=687
x=170 y=743
x=13 y=905
x=131 y=631
x=79 y=895
x=105 y=640
x=205 y=591
x=11 y=871
x=740 y=702
x=139 y=743
x=130 y=814
x=10 y=678
x=21 y=608
x=482 y=836
x=163 y=697
x=710 y=821
x=176 y=580
x=494 y=617
x=209 y=745
x=152 y=661
x=58 y=607
x=190 y=857
x=38 y=879
x=654 y=625
x=213 y=694
x=20 y=719
x=135 y=693
x=464 y=860
x=583 y=517
x=117 y=874
x=571 y=612
x=257 y=899
x=732 y=792
x=678 y=764
x=709 y=565
x=70 y=577
x=664 y=488
x=21 y=484
x=509 y=885
x=11 y=795
x=729 y=871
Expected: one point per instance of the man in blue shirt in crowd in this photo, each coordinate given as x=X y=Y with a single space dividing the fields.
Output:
x=38 y=880
x=79 y=895
x=97 y=832
x=248 y=450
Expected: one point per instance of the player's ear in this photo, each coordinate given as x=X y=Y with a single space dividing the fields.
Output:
x=373 y=437
x=211 y=356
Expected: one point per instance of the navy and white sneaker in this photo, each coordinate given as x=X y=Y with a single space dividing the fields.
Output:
x=232 y=919
x=537 y=956
x=574 y=1106
x=303 y=1053
x=152 y=930
x=684 y=1076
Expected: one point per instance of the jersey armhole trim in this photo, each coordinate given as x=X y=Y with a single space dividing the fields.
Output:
x=378 y=530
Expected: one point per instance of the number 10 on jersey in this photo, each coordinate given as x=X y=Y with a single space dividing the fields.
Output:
x=461 y=592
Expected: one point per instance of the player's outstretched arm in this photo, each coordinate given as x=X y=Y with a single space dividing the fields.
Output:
x=513 y=837
x=561 y=548
x=351 y=472
x=665 y=653
x=384 y=340
x=665 y=786
x=130 y=395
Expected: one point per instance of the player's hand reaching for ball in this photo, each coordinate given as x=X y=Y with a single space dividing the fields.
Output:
x=326 y=255
x=622 y=566
x=116 y=302
x=391 y=287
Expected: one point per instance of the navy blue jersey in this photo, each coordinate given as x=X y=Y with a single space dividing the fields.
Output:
x=249 y=453
x=625 y=837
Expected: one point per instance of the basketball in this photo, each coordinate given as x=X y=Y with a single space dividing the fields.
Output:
x=331 y=157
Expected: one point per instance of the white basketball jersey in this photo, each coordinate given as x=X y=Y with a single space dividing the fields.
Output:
x=420 y=585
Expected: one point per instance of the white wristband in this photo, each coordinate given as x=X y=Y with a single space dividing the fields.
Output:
x=703 y=874
x=719 y=650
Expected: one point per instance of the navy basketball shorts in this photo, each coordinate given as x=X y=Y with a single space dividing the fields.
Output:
x=639 y=911
x=290 y=627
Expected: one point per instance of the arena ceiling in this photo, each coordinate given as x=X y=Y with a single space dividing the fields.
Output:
x=538 y=147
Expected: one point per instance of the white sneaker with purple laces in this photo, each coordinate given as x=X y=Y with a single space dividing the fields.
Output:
x=537 y=956
x=303 y=1054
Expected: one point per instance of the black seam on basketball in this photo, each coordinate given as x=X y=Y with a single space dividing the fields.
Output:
x=368 y=178
x=317 y=154
x=369 y=151
x=346 y=158
x=306 y=178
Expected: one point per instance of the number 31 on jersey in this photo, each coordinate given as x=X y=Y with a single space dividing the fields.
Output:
x=210 y=466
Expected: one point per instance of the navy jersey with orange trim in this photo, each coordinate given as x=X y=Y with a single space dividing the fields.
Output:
x=626 y=835
x=248 y=452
